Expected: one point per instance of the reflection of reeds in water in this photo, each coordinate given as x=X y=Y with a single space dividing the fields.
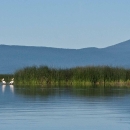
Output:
x=82 y=92
x=91 y=75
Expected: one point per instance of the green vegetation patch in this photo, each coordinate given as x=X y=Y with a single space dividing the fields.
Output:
x=85 y=76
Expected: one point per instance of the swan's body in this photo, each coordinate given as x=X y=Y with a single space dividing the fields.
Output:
x=12 y=81
x=3 y=81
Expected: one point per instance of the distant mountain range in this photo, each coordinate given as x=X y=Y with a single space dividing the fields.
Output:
x=17 y=57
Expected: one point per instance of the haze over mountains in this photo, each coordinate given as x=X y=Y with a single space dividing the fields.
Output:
x=17 y=57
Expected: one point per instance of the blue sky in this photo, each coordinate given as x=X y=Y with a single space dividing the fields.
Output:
x=64 y=23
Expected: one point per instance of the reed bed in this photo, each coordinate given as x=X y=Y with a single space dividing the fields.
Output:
x=85 y=76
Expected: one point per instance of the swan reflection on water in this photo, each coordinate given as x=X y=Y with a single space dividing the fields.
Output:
x=11 y=88
x=3 y=88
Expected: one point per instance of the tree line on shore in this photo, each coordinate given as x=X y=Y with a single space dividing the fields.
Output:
x=88 y=75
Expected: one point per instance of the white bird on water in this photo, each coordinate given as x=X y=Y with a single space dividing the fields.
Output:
x=12 y=81
x=3 y=81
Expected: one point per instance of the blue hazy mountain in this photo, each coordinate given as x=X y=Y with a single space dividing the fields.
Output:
x=16 y=57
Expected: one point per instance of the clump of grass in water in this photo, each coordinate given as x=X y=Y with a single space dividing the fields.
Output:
x=89 y=75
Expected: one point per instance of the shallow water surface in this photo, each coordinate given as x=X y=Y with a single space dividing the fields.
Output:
x=64 y=108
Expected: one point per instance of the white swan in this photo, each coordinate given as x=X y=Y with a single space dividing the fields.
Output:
x=3 y=81
x=12 y=81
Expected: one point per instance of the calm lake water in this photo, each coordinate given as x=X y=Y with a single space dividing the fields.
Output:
x=31 y=108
